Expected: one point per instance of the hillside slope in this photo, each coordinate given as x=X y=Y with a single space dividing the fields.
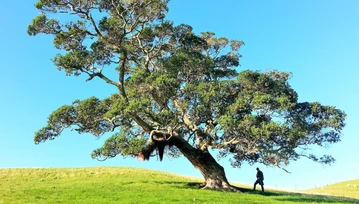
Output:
x=346 y=188
x=127 y=185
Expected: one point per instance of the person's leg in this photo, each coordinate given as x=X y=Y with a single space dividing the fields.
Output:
x=254 y=187
x=262 y=188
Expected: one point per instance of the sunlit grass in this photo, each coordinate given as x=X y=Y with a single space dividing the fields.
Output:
x=128 y=185
x=346 y=188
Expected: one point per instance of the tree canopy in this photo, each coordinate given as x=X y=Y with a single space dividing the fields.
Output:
x=179 y=92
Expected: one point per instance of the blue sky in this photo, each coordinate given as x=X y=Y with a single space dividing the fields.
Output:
x=318 y=41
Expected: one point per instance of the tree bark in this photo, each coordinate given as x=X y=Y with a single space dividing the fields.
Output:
x=213 y=173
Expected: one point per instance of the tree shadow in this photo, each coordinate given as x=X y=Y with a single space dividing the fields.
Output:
x=300 y=197
x=195 y=184
x=283 y=196
x=240 y=189
x=171 y=182
x=316 y=199
x=277 y=195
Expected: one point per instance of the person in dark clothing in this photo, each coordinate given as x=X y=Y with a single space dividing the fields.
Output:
x=260 y=179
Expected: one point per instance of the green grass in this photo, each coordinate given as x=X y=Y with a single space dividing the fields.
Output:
x=339 y=189
x=129 y=185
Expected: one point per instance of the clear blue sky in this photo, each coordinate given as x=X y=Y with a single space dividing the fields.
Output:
x=318 y=41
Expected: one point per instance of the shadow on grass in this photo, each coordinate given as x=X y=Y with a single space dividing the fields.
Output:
x=317 y=200
x=240 y=189
x=300 y=197
x=280 y=196
x=172 y=182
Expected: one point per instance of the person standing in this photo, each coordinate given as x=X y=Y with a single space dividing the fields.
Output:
x=260 y=179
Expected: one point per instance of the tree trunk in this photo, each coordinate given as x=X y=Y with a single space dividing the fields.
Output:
x=213 y=173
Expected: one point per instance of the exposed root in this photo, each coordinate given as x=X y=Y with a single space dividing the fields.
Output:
x=224 y=189
x=220 y=187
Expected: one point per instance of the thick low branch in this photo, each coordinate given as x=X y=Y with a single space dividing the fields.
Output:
x=161 y=135
x=145 y=126
x=158 y=140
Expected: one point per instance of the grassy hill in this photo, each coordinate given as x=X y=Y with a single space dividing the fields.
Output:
x=128 y=185
x=346 y=188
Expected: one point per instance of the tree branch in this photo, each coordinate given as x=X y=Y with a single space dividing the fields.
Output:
x=203 y=140
x=123 y=60
x=103 y=77
x=143 y=50
x=146 y=127
x=89 y=16
x=223 y=144
x=283 y=169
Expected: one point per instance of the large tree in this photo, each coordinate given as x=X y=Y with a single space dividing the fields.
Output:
x=178 y=92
